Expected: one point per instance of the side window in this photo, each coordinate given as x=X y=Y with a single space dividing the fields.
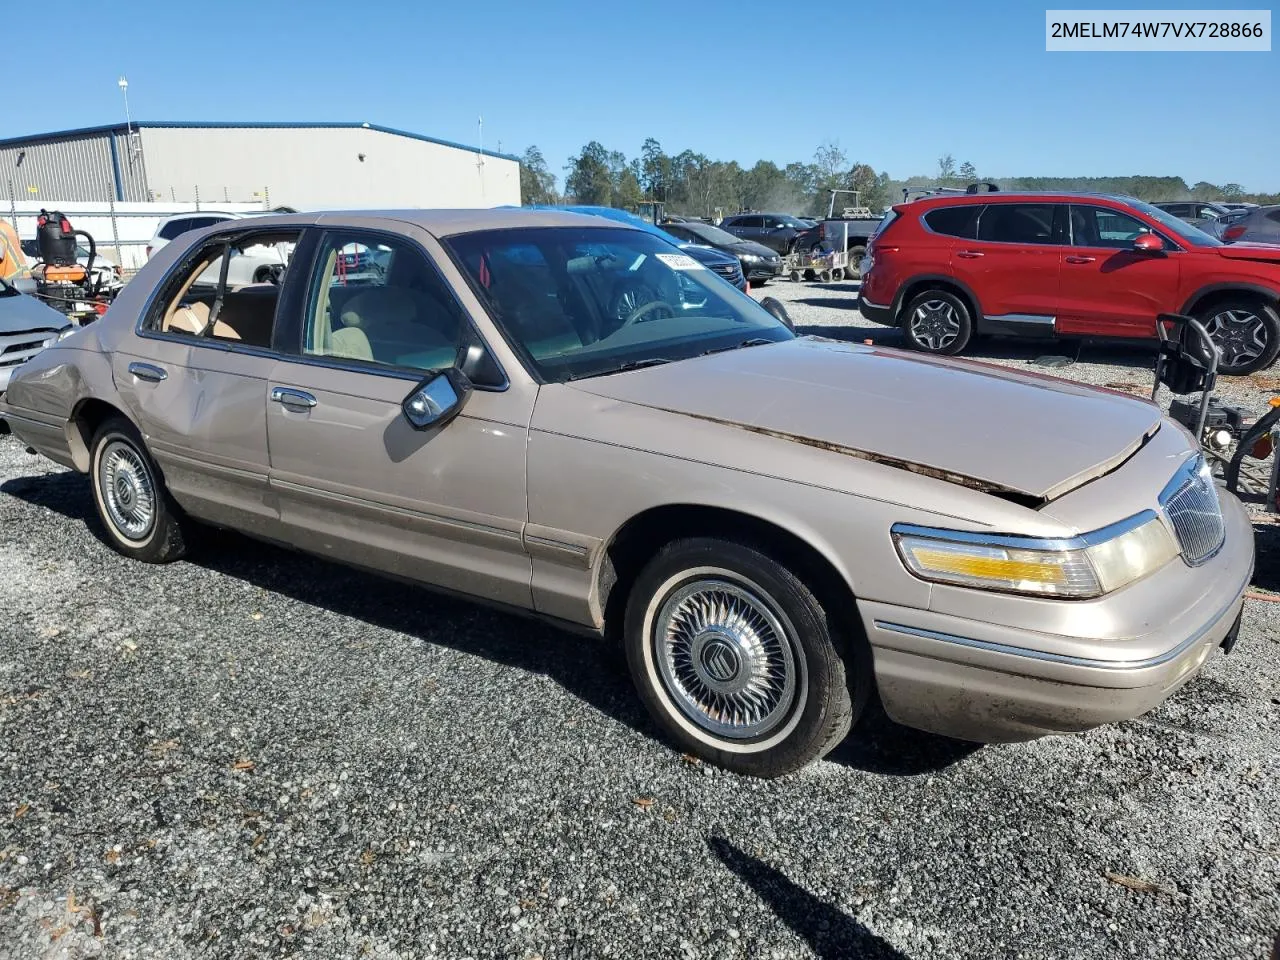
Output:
x=378 y=299
x=1273 y=216
x=1104 y=227
x=199 y=223
x=175 y=228
x=1206 y=213
x=954 y=221
x=196 y=303
x=1017 y=223
x=752 y=223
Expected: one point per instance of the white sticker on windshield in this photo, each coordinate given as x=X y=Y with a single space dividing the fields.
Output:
x=679 y=261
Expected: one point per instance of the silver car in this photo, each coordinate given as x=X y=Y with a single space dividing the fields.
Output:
x=578 y=420
x=1260 y=225
x=27 y=326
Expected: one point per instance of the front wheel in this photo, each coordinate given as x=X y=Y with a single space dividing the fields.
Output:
x=735 y=659
x=938 y=322
x=141 y=520
x=1246 y=331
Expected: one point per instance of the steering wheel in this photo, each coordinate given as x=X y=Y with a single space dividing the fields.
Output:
x=642 y=312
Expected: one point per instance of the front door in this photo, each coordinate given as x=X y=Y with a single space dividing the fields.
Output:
x=1108 y=288
x=354 y=480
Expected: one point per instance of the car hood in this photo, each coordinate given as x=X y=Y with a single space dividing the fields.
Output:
x=20 y=313
x=750 y=246
x=1264 y=252
x=705 y=254
x=1027 y=437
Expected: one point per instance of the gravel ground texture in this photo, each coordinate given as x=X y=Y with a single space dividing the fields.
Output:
x=256 y=754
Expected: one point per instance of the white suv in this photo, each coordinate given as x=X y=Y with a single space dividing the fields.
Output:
x=256 y=264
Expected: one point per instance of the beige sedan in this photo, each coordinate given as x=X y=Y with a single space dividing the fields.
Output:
x=566 y=416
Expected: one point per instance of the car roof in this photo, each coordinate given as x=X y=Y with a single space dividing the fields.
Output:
x=445 y=223
x=1052 y=196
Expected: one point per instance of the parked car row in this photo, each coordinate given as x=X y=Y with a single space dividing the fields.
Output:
x=949 y=268
x=575 y=418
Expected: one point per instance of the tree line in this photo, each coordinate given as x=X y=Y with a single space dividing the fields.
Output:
x=693 y=184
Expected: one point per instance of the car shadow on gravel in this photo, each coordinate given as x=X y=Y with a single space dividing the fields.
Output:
x=593 y=671
x=878 y=745
x=830 y=932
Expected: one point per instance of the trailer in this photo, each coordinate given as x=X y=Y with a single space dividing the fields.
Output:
x=846 y=232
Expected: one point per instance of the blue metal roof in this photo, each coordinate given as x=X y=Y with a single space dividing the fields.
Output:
x=219 y=124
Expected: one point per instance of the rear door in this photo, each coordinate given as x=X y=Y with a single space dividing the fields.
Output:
x=354 y=480
x=1108 y=288
x=1013 y=266
x=196 y=386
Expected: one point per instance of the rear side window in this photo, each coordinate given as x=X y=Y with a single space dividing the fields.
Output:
x=883 y=225
x=1017 y=223
x=175 y=228
x=199 y=223
x=954 y=221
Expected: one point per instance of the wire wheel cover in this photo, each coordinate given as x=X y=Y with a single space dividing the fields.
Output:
x=127 y=490
x=726 y=658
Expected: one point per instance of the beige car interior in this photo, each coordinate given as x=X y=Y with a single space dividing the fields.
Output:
x=245 y=314
x=394 y=324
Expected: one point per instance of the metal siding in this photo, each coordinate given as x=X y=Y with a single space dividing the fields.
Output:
x=60 y=170
x=319 y=168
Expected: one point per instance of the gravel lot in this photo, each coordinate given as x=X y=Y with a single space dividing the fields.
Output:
x=257 y=754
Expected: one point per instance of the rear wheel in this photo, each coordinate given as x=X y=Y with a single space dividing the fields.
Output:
x=1247 y=331
x=937 y=321
x=735 y=658
x=140 y=518
x=855 y=263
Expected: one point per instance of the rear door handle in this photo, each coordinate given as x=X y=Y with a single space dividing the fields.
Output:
x=1074 y=259
x=148 y=371
x=969 y=254
x=298 y=399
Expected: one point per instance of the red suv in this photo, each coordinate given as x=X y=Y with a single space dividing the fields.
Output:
x=946 y=268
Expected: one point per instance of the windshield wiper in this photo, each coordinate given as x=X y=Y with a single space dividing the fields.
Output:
x=623 y=368
x=753 y=342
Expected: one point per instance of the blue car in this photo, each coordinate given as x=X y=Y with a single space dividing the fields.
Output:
x=723 y=264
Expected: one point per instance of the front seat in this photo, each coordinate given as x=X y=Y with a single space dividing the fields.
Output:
x=388 y=317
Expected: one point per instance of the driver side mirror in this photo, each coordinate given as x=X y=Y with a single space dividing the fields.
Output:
x=1148 y=243
x=437 y=400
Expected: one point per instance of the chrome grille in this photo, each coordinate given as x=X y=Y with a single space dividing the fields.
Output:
x=1190 y=501
x=19 y=347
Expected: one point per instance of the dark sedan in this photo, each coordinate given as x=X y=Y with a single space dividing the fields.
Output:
x=759 y=263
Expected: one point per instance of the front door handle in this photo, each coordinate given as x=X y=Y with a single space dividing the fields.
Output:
x=969 y=254
x=297 y=399
x=148 y=371
x=1074 y=259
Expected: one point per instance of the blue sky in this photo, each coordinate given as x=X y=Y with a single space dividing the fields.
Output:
x=898 y=87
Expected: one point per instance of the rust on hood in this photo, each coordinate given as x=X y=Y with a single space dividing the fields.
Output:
x=897 y=463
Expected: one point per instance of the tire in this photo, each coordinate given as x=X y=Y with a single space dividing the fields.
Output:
x=855 y=260
x=682 y=594
x=937 y=322
x=795 y=276
x=1246 y=330
x=1236 y=470
x=837 y=274
x=140 y=518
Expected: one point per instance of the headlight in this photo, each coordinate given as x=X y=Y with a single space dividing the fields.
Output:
x=750 y=258
x=1083 y=567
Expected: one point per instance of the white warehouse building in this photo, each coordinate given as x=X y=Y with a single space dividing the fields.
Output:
x=308 y=166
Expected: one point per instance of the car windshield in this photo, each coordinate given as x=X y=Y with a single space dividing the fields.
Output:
x=585 y=301
x=712 y=235
x=1185 y=231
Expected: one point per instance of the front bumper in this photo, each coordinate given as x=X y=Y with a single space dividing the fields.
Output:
x=990 y=683
x=762 y=270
